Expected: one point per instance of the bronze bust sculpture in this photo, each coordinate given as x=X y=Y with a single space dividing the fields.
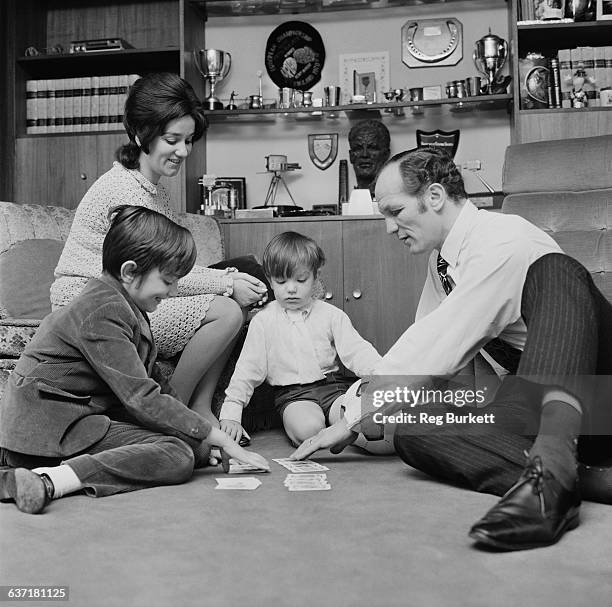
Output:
x=369 y=149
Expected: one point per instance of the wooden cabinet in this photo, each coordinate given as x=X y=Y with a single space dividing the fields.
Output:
x=58 y=168
x=547 y=37
x=369 y=275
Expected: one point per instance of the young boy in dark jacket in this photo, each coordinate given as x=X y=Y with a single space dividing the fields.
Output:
x=84 y=408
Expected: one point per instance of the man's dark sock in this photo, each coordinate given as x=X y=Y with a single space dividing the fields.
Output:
x=556 y=441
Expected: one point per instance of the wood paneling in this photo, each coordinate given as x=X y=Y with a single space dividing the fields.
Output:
x=542 y=125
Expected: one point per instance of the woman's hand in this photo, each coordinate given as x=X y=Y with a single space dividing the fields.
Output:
x=230 y=449
x=248 y=290
x=232 y=428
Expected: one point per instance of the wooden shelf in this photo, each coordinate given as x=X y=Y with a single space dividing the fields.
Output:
x=101 y=63
x=237 y=8
x=355 y=110
x=547 y=36
x=566 y=110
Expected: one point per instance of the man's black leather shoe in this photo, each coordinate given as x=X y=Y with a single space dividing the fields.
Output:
x=31 y=492
x=535 y=512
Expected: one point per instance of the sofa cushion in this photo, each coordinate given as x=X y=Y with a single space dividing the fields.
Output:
x=571 y=165
x=26 y=274
x=580 y=222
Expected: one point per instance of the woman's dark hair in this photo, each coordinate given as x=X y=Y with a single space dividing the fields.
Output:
x=289 y=251
x=148 y=238
x=420 y=167
x=153 y=101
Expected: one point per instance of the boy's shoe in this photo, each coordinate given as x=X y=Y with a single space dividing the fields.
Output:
x=31 y=492
x=244 y=441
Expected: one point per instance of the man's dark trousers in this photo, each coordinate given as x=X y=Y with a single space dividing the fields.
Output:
x=569 y=341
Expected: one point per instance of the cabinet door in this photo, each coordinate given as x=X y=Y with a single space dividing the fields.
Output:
x=382 y=282
x=252 y=238
x=59 y=170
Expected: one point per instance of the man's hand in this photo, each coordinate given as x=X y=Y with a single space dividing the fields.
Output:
x=336 y=438
x=248 y=290
x=232 y=428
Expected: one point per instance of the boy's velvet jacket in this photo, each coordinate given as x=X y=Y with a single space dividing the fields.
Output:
x=90 y=362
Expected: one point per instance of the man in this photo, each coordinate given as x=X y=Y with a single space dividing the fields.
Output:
x=498 y=282
x=369 y=149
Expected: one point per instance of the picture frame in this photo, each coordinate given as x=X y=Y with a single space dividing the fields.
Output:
x=604 y=10
x=221 y=191
x=357 y=68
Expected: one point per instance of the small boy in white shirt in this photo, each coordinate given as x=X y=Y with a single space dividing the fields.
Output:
x=295 y=344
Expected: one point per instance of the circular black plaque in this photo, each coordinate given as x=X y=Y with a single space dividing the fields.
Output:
x=295 y=55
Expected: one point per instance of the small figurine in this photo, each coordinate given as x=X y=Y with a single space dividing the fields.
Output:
x=231 y=105
x=578 y=96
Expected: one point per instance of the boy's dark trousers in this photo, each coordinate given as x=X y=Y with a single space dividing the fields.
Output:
x=569 y=341
x=127 y=458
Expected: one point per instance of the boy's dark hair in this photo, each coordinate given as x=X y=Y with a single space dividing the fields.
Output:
x=148 y=238
x=288 y=251
x=153 y=101
x=420 y=167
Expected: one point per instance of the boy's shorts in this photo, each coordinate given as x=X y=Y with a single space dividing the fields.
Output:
x=323 y=392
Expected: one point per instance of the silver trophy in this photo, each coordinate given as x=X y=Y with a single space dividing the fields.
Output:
x=489 y=57
x=214 y=66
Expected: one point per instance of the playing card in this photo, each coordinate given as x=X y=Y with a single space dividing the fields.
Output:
x=300 y=466
x=239 y=468
x=247 y=483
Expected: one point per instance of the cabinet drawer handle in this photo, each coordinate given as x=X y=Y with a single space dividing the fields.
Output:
x=329 y=295
x=357 y=294
x=83 y=176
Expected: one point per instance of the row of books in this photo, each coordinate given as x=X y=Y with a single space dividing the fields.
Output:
x=68 y=105
x=550 y=82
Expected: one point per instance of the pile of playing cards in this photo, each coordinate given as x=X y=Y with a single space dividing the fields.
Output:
x=245 y=483
x=307 y=482
x=300 y=466
x=237 y=468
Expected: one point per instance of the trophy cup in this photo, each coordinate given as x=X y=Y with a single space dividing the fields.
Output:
x=489 y=57
x=214 y=66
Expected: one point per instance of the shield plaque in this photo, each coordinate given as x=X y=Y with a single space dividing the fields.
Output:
x=447 y=140
x=323 y=149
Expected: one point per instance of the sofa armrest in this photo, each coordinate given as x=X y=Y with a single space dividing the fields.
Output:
x=15 y=334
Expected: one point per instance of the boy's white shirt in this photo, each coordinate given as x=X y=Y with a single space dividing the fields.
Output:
x=295 y=347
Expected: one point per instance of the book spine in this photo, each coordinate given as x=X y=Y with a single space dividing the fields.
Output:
x=31 y=106
x=86 y=103
x=41 y=102
x=94 y=120
x=51 y=106
x=104 y=93
x=565 y=76
x=555 y=76
x=68 y=110
x=77 y=102
x=60 y=90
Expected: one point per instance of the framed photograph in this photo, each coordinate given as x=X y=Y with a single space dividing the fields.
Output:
x=364 y=74
x=223 y=187
x=604 y=10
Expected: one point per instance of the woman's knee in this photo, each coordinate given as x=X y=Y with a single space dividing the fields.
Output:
x=228 y=312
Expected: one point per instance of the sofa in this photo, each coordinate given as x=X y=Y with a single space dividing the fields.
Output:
x=32 y=237
x=565 y=188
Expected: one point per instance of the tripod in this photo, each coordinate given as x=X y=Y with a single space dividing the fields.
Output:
x=277 y=178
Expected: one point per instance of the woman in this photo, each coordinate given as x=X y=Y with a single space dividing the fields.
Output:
x=163 y=119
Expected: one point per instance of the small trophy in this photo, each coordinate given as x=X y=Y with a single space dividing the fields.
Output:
x=489 y=57
x=214 y=66
x=207 y=206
